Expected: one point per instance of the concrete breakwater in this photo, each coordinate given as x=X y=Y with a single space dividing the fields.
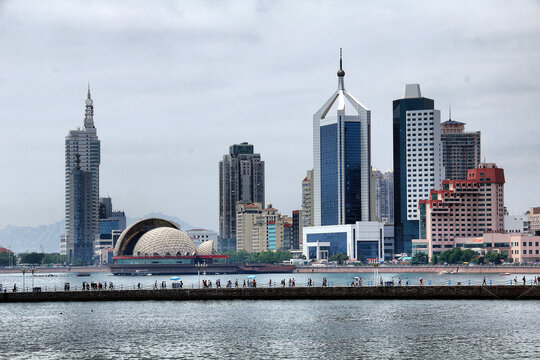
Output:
x=516 y=292
x=423 y=269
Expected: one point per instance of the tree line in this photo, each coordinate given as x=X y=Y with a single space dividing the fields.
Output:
x=459 y=256
x=270 y=257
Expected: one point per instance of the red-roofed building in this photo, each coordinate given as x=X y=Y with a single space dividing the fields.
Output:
x=461 y=208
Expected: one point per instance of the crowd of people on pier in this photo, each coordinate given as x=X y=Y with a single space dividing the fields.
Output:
x=251 y=282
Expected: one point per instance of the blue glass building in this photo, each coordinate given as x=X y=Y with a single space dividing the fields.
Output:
x=405 y=230
x=341 y=160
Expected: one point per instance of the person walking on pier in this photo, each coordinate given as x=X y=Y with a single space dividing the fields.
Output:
x=421 y=281
x=270 y=283
x=515 y=280
x=524 y=280
x=236 y=283
x=484 y=282
x=155 y=285
x=244 y=283
x=399 y=281
x=139 y=286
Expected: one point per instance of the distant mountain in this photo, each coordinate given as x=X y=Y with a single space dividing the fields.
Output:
x=46 y=238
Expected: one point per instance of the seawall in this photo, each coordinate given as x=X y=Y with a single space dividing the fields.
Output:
x=503 y=292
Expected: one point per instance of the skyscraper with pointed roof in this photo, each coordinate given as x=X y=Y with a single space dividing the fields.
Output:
x=341 y=159
x=82 y=160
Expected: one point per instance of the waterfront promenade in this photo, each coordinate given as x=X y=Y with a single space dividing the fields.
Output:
x=463 y=292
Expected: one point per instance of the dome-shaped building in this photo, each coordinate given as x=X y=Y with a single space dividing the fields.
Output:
x=165 y=241
x=160 y=246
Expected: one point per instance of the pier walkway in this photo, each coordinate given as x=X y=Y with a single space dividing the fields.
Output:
x=464 y=292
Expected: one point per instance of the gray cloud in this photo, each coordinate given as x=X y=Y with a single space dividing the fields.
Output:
x=175 y=83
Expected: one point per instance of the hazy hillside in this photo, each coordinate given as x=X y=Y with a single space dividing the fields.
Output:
x=46 y=238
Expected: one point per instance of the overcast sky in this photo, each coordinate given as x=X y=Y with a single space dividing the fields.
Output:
x=175 y=83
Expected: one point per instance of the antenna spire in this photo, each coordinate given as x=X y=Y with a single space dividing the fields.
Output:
x=450 y=112
x=340 y=72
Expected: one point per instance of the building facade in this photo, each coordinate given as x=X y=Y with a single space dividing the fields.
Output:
x=362 y=241
x=417 y=160
x=81 y=215
x=462 y=208
x=241 y=179
x=534 y=221
x=307 y=200
x=201 y=235
x=384 y=194
x=246 y=219
x=461 y=150
x=517 y=247
x=82 y=150
x=296 y=229
x=341 y=160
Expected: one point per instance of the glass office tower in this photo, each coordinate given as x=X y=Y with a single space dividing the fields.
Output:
x=341 y=160
x=405 y=230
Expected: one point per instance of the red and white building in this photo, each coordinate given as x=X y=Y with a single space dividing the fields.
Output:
x=461 y=208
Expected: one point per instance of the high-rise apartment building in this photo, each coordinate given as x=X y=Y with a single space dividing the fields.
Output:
x=246 y=219
x=241 y=179
x=82 y=152
x=81 y=215
x=307 y=200
x=462 y=208
x=384 y=193
x=341 y=160
x=461 y=150
x=417 y=161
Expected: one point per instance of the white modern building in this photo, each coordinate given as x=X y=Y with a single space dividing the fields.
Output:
x=425 y=169
x=341 y=159
x=82 y=149
x=201 y=235
x=362 y=241
x=515 y=223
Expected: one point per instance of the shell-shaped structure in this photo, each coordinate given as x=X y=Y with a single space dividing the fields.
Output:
x=206 y=248
x=165 y=241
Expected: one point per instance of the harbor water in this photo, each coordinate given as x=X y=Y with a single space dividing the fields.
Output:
x=271 y=330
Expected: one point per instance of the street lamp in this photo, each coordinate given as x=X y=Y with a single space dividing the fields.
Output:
x=199 y=267
x=33 y=270
x=23 y=272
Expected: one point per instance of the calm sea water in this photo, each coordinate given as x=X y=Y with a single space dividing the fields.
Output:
x=271 y=330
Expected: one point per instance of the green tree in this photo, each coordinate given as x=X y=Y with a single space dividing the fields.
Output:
x=33 y=258
x=419 y=258
x=435 y=259
x=339 y=258
x=494 y=257
x=7 y=258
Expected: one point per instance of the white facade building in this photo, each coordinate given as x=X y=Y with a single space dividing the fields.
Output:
x=201 y=235
x=515 y=223
x=425 y=169
x=362 y=241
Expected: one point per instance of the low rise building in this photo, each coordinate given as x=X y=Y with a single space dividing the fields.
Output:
x=362 y=241
x=517 y=247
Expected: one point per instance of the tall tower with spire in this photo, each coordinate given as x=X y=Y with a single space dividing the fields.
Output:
x=341 y=159
x=82 y=160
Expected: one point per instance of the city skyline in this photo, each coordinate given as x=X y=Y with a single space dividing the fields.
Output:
x=160 y=140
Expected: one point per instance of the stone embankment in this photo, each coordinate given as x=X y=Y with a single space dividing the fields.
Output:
x=422 y=269
x=516 y=292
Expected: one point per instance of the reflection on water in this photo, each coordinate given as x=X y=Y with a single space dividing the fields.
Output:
x=271 y=330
